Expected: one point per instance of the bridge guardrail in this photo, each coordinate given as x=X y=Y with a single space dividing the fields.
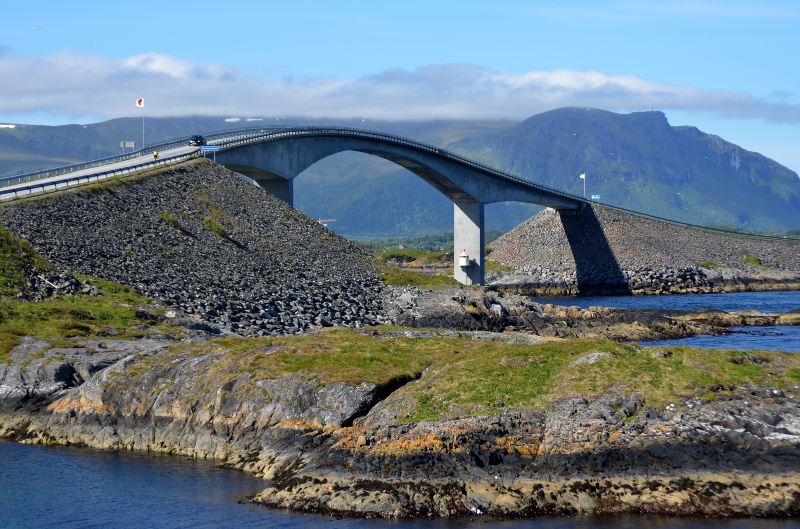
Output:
x=20 y=192
x=57 y=171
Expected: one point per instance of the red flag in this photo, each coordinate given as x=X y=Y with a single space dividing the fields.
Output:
x=140 y=102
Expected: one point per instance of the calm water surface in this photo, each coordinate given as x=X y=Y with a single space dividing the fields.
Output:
x=782 y=301
x=745 y=338
x=775 y=338
x=82 y=488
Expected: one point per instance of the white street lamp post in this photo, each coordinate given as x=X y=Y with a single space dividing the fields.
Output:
x=583 y=177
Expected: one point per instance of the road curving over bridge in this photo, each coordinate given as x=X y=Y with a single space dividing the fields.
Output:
x=274 y=158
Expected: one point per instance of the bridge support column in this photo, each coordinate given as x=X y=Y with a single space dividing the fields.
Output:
x=468 y=235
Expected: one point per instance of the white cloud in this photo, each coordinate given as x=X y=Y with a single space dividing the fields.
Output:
x=91 y=85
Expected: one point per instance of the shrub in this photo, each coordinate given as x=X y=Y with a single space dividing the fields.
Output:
x=214 y=226
x=169 y=219
x=751 y=260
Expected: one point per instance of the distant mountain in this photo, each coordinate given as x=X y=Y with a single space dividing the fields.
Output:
x=640 y=162
x=633 y=160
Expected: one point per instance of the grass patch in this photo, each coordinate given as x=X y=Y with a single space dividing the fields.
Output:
x=751 y=260
x=65 y=317
x=494 y=266
x=15 y=256
x=170 y=220
x=212 y=225
x=476 y=377
x=215 y=219
x=709 y=265
x=394 y=275
x=407 y=255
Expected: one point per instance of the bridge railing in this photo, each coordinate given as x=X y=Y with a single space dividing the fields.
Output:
x=42 y=187
x=58 y=171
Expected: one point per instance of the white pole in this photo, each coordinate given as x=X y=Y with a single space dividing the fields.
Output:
x=142 y=126
x=584 y=184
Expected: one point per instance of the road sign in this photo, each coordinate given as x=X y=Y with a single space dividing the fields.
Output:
x=595 y=197
x=126 y=144
x=209 y=148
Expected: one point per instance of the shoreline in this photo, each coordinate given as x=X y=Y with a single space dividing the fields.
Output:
x=351 y=449
x=518 y=285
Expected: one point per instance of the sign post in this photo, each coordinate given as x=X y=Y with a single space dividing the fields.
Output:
x=210 y=148
x=127 y=144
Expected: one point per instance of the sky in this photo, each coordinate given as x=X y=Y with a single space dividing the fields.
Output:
x=732 y=68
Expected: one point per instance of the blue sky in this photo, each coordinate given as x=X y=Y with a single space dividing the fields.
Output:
x=730 y=67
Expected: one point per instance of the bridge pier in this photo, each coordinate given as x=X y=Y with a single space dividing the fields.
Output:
x=468 y=234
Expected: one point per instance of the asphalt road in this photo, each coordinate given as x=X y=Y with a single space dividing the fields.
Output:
x=162 y=155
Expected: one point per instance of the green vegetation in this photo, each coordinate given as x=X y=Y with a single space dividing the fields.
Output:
x=215 y=219
x=116 y=310
x=170 y=220
x=414 y=275
x=494 y=266
x=751 y=260
x=709 y=265
x=476 y=377
x=394 y=275
x=438 y=263
x=214 y=226
x=407 y=255
x=61 y=318
x=15 y=256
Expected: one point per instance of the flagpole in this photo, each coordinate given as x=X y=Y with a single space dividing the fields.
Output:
x=142 y=126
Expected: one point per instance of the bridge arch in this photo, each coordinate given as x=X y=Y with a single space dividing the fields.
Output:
x=274 y=158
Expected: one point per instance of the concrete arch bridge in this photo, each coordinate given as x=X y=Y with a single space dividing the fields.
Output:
x=275 y=157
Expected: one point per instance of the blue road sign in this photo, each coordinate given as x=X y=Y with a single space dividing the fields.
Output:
x=209 y=148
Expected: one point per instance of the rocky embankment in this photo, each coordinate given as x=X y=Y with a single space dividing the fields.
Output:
x=210 y=245
x=605 y=250
x=348 y=447
x=503 y=311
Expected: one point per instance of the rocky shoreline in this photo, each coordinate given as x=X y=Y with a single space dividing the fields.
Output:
x=503 y=310
x=345 y=448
